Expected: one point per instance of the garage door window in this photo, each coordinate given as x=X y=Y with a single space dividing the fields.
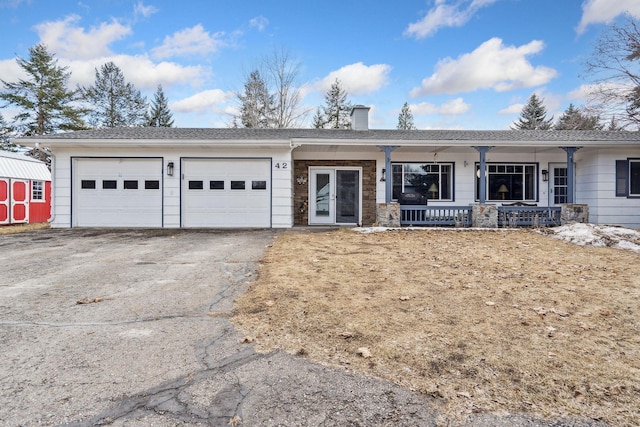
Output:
x=259 y=185
x=152 y=185
x=216 y=185
x=237 y=185
x=196 y=185
x=109 y=184
x=130 y=184
x=88 y=184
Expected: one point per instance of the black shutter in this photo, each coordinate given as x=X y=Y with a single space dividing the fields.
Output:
x=622 y=178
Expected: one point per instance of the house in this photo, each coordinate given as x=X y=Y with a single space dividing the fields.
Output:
x=25 y=189
x=173 y=177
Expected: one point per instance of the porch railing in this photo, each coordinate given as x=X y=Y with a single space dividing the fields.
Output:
x=528 y=216
x=446 y=216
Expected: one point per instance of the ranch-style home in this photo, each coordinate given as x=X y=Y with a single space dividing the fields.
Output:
x=173 y=177
x=25 y=189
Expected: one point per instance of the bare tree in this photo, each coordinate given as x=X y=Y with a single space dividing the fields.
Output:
x=281 y=71
x=614 y=66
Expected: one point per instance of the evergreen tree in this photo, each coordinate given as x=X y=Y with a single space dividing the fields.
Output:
x=159 y=114
x=336 y=113
x=574 y=119
x=533 y=116
x=115 y=102
x=46 y=105
x=405 y=118
x=256 y=104
x=5 y=133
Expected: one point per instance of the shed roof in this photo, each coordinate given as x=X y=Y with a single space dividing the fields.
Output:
x=15 y=165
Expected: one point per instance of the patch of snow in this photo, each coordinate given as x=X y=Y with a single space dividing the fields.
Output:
x=598 y=235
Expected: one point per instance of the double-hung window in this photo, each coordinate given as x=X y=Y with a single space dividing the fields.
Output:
x=509 y=182
x=434 y=181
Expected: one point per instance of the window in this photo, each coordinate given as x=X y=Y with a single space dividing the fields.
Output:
x=216 y=185
x=37 y=191
x=237 y=185
x=434 y=181
x=109 y=184
x=152 y=185
x=509 y=182
x=196 y=185
x=258 y=185
x=130 y=184
x=628 y=178
x=87 y=184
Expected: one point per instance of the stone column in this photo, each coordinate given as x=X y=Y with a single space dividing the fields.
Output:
x=388 y=215
x=574 y=212
x=484 y=215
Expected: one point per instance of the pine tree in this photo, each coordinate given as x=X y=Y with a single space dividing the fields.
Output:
x=405 y=118
x=336 y=113
x=159 y=114
x=46 y=105
x=533 y=116
x=115 y=102
x=574 y=119
x=5 y=133
x=256 y=104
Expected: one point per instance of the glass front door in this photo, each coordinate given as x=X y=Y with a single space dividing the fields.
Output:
x=334 y=196
x=558 y=183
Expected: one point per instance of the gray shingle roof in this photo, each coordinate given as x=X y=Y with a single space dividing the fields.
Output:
x=378 y=135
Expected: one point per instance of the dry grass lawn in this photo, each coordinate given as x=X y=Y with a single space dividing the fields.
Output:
x=506 y=321
x=19 y=228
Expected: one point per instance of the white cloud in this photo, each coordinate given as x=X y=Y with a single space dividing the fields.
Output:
x=454 y=107
x=512 y=109
x=209 y=100
x=259 y=22
x=605 y=11
x=139 y=70
x=140 y=10
x=454 y=14
x=67 y=40
x=190 y=41
x=491 y=66
x=357 y=79
x=10 y=71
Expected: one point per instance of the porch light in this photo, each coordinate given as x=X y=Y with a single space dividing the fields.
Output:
x=383 y=178
x=170 y=168
x=545 y=175
x=433 y=189
x=503 y=190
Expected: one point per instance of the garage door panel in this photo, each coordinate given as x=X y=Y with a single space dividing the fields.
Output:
x=117 y=192
x=226 y=193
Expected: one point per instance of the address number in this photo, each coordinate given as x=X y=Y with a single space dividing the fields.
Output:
x=281 y=165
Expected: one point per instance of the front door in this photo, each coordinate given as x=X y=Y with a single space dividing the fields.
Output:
x=558 y=183
x=334 y=196
x=19 y=201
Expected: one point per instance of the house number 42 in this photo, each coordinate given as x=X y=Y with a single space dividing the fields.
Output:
x=281 y=165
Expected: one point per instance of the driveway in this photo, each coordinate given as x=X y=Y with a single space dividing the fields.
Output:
x=152 y=344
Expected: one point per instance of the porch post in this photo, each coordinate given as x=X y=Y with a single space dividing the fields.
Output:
x=483 y=175
x=387 y=165
x=570 y=172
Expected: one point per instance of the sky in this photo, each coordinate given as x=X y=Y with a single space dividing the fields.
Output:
x=460 y=64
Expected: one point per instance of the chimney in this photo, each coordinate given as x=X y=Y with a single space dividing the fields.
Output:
x=360 y=117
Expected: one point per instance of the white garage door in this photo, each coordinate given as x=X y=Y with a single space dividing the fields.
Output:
x=117 y=192
x=226 y=193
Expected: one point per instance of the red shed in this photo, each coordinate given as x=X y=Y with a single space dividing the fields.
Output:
x=25 y=189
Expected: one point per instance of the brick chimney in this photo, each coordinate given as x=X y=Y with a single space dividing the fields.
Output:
x=360 y=117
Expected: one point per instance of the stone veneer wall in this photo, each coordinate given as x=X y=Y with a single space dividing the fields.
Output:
x=301 y=191
x=574 y=212
x=388 y=215
x=484 y=216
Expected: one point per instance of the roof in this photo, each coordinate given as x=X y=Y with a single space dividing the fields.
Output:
x=294 y=137
x=15 y=165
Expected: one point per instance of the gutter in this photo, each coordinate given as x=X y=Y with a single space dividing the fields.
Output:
x=53 y=179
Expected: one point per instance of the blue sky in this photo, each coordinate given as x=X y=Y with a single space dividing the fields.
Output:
x=460 y=64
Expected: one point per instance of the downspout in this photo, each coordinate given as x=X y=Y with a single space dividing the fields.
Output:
x=53 y=180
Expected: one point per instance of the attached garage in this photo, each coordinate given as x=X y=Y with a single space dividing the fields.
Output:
x=226 y=192
x=117 y=192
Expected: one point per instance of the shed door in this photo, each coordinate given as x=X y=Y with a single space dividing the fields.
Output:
x=226 y=193
x=19 y=201
x=4 y=200
x=117 y=192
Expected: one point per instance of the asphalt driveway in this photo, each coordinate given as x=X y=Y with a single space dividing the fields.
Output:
x=152 y=344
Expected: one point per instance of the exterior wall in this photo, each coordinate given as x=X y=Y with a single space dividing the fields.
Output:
x=40 y=211
x=281 y=178
x=595 y=185
x=301 y=191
